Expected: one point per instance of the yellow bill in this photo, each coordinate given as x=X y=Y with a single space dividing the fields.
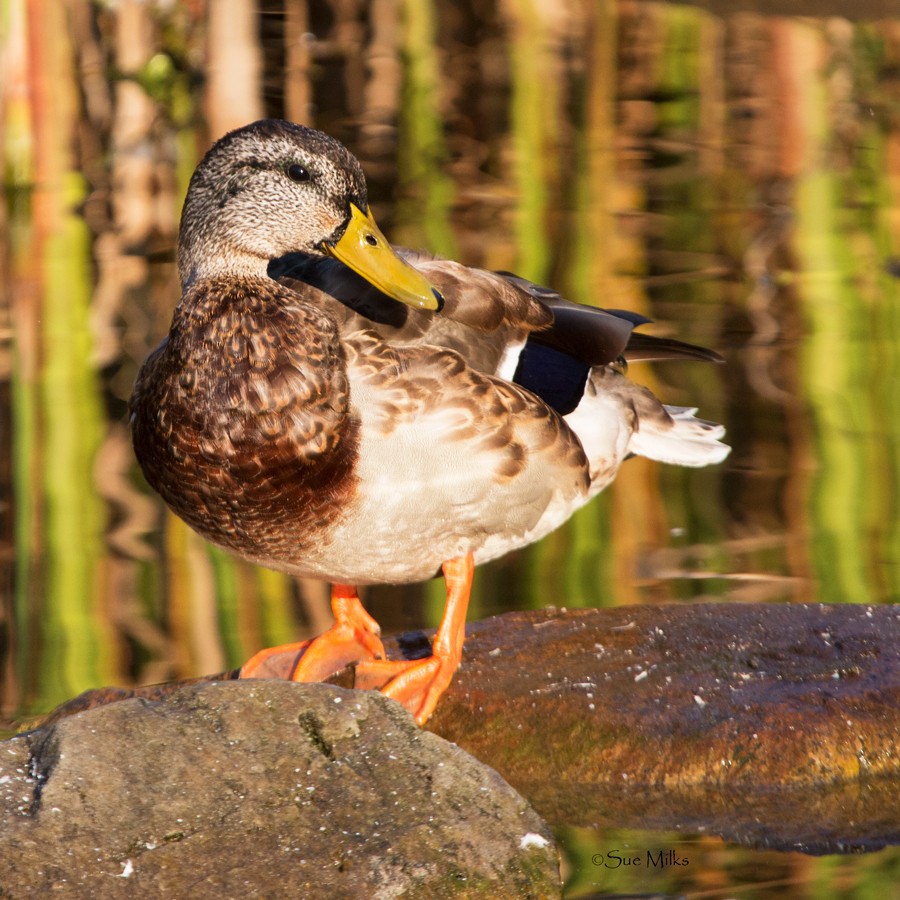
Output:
x=363 y=248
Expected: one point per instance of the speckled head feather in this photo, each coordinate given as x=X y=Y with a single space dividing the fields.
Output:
x=264 y=190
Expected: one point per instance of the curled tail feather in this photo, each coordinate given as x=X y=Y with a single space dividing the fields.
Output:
x=679 y=438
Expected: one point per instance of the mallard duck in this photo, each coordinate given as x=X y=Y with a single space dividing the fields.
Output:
x=334 y=407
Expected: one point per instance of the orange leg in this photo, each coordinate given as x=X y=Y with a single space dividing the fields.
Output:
x=418 y=684
x=353 y=637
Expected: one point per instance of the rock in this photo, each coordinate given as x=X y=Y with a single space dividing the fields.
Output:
x=252 y=789
x=770 y=725
x=677 y=696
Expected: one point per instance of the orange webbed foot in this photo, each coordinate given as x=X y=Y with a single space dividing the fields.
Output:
x=353 y=638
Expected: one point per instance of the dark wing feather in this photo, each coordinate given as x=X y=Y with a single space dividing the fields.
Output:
x=599 y=337
x=593 y=336
x=649 y=348
x=557 y=378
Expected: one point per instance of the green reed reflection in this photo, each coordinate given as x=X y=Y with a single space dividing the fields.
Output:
x=74 y=635
x=534 y=110
x=425 y=190
x=851 y=346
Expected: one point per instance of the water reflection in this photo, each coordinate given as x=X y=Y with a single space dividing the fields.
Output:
x=733 y=176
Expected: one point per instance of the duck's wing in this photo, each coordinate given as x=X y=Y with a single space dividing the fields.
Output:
x=501 y=324
x=556 y=362
x=599 y=336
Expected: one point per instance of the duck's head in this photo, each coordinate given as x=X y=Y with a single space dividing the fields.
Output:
x=272 y=188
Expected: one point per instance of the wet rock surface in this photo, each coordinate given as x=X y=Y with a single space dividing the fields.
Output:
x=260 y=789
x=770 y=725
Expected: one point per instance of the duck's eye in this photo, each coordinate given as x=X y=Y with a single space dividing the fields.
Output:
x=298 y=173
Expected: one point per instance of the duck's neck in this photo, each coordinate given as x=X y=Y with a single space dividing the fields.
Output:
x=197 y=262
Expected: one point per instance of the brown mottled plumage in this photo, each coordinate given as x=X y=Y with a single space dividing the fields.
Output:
x=300 y=416
x=252 y=420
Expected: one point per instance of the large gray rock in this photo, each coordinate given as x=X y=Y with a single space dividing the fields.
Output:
x=252 y=789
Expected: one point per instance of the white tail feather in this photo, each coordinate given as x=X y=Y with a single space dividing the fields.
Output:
x=682 y=441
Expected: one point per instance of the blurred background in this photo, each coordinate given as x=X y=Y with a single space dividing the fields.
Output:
x=730 y=169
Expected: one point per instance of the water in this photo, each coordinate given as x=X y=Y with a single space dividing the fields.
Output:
x=733 y=176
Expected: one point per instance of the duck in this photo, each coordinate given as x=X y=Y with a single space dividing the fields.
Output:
x=334 y=407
